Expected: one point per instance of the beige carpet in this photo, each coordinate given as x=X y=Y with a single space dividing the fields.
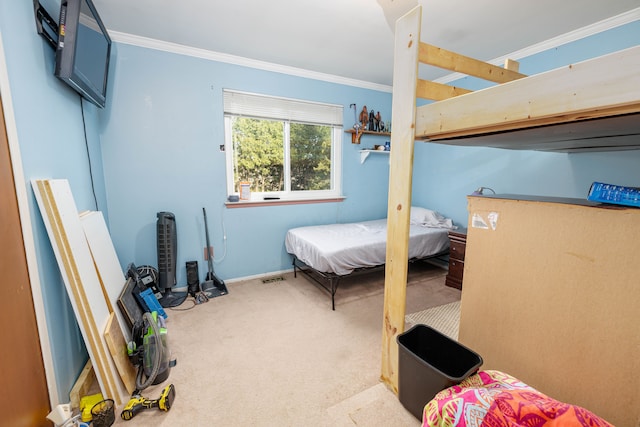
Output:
x=275 y=354
x=444 y=318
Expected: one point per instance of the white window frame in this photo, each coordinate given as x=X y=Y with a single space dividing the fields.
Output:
x=287 y=110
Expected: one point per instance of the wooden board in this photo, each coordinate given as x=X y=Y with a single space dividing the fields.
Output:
x=118 y=349
x=453 y=61
x=400 y=183
x=83 y=386
x=551 y=296
x=69 y=244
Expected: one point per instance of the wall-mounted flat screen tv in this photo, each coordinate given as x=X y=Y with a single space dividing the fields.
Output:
x=84 y=47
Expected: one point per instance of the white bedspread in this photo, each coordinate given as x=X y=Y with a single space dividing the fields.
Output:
x=341 y=248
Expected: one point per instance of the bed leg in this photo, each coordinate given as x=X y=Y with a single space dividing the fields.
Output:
x=294 y=267
x=334 y=287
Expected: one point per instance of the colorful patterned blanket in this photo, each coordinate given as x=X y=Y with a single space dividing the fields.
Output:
x=495 y=399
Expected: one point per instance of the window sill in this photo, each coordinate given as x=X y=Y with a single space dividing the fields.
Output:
x=279 y=202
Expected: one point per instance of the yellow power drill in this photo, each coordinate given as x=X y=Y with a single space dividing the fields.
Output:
x=138 y=402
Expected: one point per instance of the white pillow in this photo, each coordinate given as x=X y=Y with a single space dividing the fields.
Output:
x=420 y=215
x=429 y=218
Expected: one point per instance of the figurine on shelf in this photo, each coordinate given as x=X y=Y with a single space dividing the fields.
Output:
x=378 y=121
x=372 y=120
x=357 y=127
x=364 y=117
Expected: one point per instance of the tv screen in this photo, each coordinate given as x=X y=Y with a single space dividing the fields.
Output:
x=82 y=54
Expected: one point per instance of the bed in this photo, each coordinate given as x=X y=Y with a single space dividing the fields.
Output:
x=590 y=106
x=327 y=253
x=593 y=105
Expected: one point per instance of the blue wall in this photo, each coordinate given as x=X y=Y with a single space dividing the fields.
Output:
x=161 y=152
x=448 y=174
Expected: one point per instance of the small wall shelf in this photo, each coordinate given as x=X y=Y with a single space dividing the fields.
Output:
x=365 y=153
x=355 y=139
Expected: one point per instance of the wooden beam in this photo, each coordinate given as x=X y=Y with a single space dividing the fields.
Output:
x=449 y=60
x=427 y=89
x=405 y=76
x=510 y=64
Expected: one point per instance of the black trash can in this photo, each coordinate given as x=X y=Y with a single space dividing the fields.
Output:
x=428 y=362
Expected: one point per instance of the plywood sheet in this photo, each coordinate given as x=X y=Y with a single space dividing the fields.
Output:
x=86 y=380
x=118 y=349
x=64 y=228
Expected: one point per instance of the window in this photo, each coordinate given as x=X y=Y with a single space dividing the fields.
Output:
x=285 y=148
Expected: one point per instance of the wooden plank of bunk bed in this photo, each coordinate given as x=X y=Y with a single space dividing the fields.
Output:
x=427 y=89
x=442 y=58
x=405 y=76
x=601 y=87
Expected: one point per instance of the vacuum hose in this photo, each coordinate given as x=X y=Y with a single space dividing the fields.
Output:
x=156 y=358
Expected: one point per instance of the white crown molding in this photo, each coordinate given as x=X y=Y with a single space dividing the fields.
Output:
x=149 y=43
x=598 y=27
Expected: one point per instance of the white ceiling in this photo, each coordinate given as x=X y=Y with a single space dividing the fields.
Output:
x=351 y=38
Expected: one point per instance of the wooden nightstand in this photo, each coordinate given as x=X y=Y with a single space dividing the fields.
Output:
x=458 y=244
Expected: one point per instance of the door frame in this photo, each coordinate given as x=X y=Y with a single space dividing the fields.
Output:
x=27 y=230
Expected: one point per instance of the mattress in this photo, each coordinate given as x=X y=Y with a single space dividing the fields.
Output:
x=342 y=248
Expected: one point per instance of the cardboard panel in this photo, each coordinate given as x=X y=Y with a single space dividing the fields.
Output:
x=551 y=296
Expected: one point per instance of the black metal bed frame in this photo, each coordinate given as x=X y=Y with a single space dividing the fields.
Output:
x=330 y=281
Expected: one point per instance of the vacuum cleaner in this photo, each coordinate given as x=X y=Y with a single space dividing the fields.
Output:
x=149 y=351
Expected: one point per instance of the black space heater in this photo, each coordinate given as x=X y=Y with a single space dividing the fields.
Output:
x=167 y=253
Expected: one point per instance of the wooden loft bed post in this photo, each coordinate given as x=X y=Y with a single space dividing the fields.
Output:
x=409 y=52
x=405 y=76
